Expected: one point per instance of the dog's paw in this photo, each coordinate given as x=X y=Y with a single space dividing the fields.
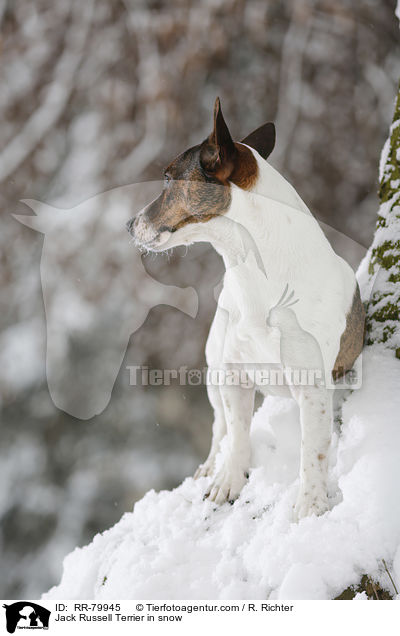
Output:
x=227 y=485
x=205 y=470
x=310 y=504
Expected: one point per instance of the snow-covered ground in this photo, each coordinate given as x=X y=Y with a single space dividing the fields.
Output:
x=174 y=545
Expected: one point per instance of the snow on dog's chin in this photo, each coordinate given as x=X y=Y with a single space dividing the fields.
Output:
x=167 y=240
x=159 y=243
x=147 y=239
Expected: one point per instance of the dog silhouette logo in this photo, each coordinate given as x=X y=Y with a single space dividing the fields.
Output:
x=26 y=615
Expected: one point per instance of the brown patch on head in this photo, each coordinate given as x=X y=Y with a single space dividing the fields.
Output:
x=352 y=339
x=321 y=456
x=245 y=171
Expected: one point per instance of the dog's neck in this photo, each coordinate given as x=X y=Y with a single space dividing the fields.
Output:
x=232 y=239
x=246 y=226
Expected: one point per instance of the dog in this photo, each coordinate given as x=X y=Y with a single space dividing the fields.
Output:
x=226 y=193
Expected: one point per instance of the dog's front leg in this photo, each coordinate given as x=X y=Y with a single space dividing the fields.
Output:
x=218 y=431
x=316 y=426
x=238 y=405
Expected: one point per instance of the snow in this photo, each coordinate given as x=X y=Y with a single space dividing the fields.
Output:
x=174 y=545
x=383 y=158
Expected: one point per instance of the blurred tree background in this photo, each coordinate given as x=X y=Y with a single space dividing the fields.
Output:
x=103 y=93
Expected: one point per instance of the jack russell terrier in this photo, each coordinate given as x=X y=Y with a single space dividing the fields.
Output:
x=226 y=193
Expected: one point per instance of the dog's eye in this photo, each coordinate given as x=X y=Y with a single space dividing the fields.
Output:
x=167 y=178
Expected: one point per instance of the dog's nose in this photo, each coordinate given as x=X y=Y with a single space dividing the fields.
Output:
x=130 y=224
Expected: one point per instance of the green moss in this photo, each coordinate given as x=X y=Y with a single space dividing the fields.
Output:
x=376 y=298
x=388 y=312
x=385 y=254
x=384 y=335
x=381 y=222
x=391 y=170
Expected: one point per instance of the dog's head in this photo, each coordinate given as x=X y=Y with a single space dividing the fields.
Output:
x=197 y=186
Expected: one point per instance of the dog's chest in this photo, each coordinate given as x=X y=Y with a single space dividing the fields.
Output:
x=247 y=339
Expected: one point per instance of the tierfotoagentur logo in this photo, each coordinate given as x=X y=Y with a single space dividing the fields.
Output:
x=246 y=378
x=26 y=615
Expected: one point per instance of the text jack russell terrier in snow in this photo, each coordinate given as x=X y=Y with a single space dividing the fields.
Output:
x=226 y=193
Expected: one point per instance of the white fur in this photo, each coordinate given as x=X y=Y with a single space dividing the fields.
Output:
x=273 y=223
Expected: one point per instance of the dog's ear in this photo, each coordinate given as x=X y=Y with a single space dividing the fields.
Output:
x=262 y=139
x=218 y=152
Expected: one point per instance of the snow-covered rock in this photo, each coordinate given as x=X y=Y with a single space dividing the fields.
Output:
x=174 y=545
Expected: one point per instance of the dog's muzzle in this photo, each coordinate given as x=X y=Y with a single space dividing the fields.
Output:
x=142 y=230
x=145 y=234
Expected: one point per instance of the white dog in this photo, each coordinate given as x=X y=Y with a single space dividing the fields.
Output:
x=226 y=193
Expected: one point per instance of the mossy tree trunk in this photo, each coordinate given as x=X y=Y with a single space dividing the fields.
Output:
x=379 y=276
x=383 y=307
